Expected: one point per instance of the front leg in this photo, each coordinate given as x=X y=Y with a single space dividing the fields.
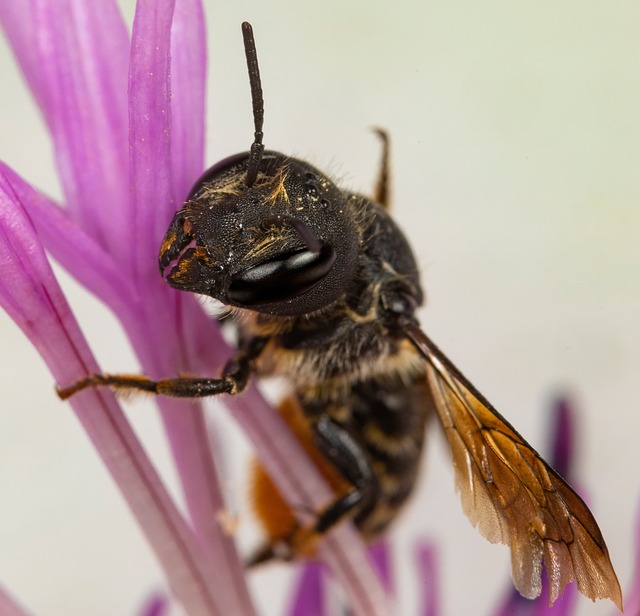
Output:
x=234 y=378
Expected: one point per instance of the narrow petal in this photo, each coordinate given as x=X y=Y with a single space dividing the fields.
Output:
x=562 y=437
x=74 y=249
x=426 y=557
x=9 y=606
x=381 y=556
x=343 y=551
x=188 y=74
x=32 y=297
x=153 y=197
x=19 y=27
x=156 y=337
x=156 y=605
x=184 y=421
x=75 y=54
x=164 y=338
x=308 y=598
x=516 y=605
x=191 y=447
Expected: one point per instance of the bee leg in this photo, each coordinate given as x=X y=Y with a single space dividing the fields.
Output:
x=347 y=455
x=234 y=379
x=279 y=551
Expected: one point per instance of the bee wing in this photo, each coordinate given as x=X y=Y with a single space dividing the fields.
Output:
x=513 y=496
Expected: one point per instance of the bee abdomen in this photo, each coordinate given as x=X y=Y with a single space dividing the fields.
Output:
x=390 y=417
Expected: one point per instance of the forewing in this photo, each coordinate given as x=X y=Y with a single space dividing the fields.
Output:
x=513 y=496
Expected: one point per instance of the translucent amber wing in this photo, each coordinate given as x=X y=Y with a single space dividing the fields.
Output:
x=513 y=496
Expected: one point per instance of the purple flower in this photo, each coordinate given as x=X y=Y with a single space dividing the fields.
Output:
x=127 y=123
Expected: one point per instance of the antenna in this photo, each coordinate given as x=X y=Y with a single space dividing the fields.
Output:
x=255 y=153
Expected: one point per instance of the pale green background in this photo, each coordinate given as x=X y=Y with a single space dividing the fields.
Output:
x=516 y=148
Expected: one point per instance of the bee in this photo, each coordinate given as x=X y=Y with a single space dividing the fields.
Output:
x=326 y=288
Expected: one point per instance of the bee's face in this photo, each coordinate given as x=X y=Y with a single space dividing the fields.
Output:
x=287 y=245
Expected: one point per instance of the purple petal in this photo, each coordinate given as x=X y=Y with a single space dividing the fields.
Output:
x=516 y=605
x=513 y=605
x=156 y=605
x=32 y=297
x=565 y=605
x=562 y=437
x=8 y=605
x=308 y=598
x=185 y=425
x=164 y=338
x=81 y=59
x=344 y=552
x=76 y=251
x=187 y=430
x=188 y=74
x=426 y=557
x=152 y=190
x=381 y=556
x=16 y=19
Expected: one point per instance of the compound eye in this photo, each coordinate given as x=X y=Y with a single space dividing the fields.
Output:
x=282 y=278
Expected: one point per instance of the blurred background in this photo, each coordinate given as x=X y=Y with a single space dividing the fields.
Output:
x=515 y=155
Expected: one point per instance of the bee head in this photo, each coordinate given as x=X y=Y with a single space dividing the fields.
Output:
x=284 y=245
x=262 y=231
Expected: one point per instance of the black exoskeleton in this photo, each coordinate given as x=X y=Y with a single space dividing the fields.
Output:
x=327 y=285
